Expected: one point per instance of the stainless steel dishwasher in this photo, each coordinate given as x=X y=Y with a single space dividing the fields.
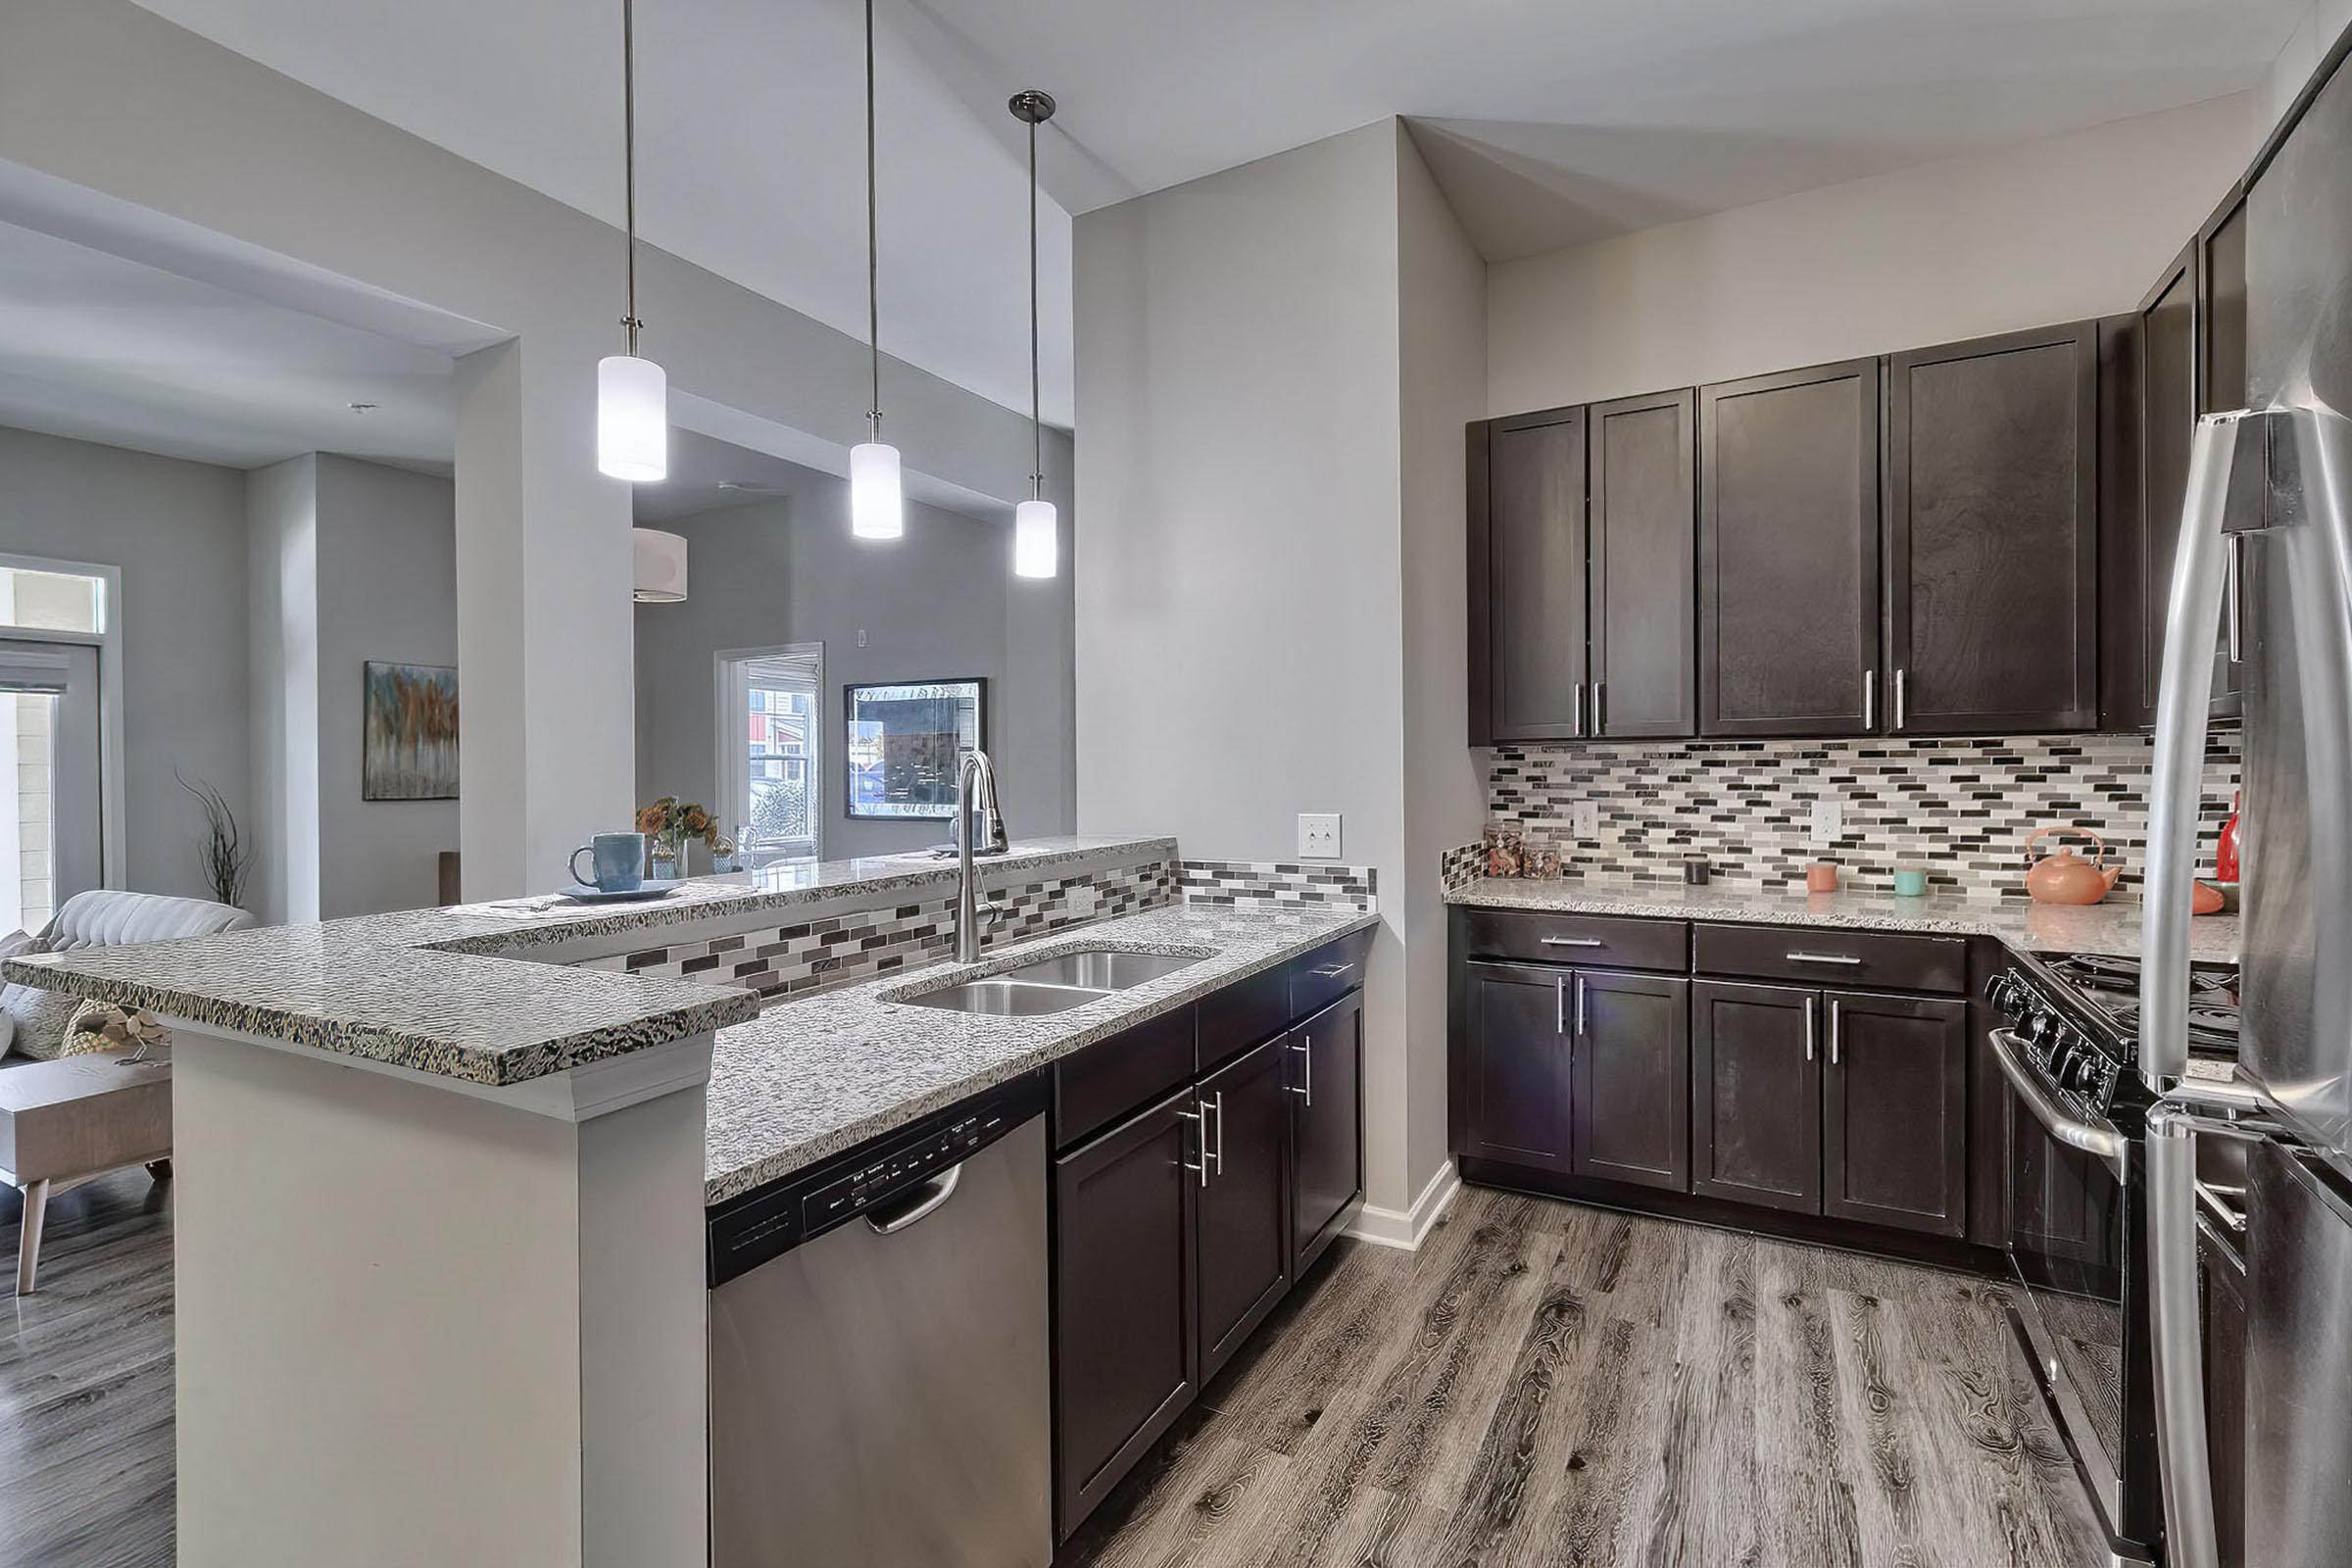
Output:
x=878 y=1353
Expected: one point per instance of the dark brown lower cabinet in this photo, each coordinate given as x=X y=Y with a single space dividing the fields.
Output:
x=1895 y=1122
x=1512 y=1069
x=1631 y=1090
x=1755 y=1094
x=1126 y=1350
x=1244 y=1207
x=2222 y=1271
x=1327 y=1068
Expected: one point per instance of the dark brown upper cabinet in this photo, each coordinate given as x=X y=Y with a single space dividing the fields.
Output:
x=2221 y=368
x=1527 y=578
x=1895 y=1112
x=1643 y=525
x=1788 y=552
x=1993 y=534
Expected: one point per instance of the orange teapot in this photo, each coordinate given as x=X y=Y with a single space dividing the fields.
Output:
x=2062 y=877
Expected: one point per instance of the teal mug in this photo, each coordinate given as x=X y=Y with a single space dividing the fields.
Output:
x=618 y=861
x=1910 y=884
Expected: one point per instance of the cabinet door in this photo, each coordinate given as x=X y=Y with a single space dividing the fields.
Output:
x=1513 y=1068
x=1644 y=521
x=1245 y=1209
x=1755 y=1094
x=1534 y=575
x=1788 y=552
x=1327 y=1059
x=1992 y=533
x=1631 y=1093
x=1895 y=1120
x=1124 y=1292
x=2222 y=371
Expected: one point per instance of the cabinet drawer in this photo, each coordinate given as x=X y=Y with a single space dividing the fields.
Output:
x=1112 y=1077
x=1233 y=1020
x=1604 y=942
x=1895 y=961
x=1322 y=977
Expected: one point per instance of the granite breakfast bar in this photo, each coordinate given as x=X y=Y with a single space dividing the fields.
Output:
x=442 y=1174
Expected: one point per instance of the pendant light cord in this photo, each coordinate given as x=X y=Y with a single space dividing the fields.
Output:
x=628 y=156
x=1036 y=434
x=873 y=306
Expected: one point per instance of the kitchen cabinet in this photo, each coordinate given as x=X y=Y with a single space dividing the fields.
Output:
x=1630 y=1092
x=1126 y=1352
x=1642 y=546
x=1512 y=1067
x=1993 y=534
x=1788 y=625
x=1244 y=1212
x=1527 y=578
x=2222 y=383
x=1895 y=1122
x=1755 y=1091
x=1327 y=1062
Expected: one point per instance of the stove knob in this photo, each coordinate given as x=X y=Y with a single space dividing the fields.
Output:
x=2075 y=1069
x=2040 y=1028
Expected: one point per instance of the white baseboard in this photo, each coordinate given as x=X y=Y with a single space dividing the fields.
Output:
x=1407 y=1228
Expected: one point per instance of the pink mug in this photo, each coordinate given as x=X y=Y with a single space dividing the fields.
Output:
x=1820 y=877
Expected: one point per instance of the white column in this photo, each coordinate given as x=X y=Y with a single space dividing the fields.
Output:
x=546 y=657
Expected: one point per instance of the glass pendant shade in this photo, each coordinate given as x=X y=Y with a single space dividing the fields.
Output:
x=632 y=420
x=877 y=509
x=1036 y=548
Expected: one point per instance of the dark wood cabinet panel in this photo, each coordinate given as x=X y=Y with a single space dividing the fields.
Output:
x=1112 y=1077
x=1125 y=1266
x=1643 y=545
x=1894 y=959
x=1327 y=1069
x=1534 y=577
x=1245 y=1209
x=1993 y=534
x=1512 y=1066
x=1789 y=552
x=2222 y=1282
x=1541 y=937
x=1755 y=1094
x=1632 y=1079
x=1894 y=1119
x=2221 y=309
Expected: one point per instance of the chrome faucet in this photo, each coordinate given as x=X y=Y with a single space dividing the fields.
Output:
x=968 y=907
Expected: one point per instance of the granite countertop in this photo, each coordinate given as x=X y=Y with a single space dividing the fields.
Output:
x=444 y=992
x=809 y=1078
x=2111 y=929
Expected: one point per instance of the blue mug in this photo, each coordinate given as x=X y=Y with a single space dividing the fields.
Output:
x=618 y=863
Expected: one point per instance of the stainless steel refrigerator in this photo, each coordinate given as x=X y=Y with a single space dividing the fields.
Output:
x=2266 y=557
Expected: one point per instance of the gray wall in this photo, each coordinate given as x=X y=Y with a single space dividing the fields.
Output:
x=178 y=531
x=941 y=601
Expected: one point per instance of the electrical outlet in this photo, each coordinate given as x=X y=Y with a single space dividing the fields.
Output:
x=1828 y=822
x=861 y=636
x=1583 y=819
x=1318 y=835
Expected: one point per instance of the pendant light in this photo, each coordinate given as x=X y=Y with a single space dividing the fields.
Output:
x=877 y=506
x=632 y=395
x=1036 y=549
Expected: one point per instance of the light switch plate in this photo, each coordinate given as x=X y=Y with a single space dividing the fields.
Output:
x=1583 y=819
x=1828 y=823
x=1318 y=835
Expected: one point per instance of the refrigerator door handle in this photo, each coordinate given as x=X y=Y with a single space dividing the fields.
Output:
x=2177 y=781
x=2179 y=1358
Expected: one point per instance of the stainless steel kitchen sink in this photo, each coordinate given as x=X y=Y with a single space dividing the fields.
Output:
x=1100 y=969
x=1000 y=997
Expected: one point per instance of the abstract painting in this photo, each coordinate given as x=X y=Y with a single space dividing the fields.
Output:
x=408 y=736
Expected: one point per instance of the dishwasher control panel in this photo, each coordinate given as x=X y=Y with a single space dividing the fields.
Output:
x=745 y=1232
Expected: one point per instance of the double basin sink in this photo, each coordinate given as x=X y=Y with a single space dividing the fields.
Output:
x=1053 y=985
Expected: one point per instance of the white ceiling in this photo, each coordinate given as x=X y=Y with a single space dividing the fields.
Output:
x=1547 y=121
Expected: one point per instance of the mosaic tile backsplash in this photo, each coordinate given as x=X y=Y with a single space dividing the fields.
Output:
x=1958 y=810
x=1279 y=883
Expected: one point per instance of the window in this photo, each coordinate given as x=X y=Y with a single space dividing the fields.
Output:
x=769 y=732
x=53 y=632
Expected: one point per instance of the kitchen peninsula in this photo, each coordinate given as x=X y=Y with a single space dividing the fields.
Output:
x=444 y=1174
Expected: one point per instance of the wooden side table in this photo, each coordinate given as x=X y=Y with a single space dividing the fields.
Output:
x=68 y=1122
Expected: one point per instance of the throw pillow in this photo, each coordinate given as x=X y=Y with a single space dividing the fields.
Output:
x=15 y=942
x=37 y=1015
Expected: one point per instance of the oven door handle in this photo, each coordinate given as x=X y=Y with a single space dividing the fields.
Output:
x=2095 y=1137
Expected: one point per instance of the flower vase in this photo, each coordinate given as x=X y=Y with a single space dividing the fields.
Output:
x=662 y=858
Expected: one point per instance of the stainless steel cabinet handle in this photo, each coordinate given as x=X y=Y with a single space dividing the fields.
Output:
x=1808 y=1028
x=1869 y=699
x=1598 y=687
x=1574 y=942
x=1331 y=971
x=2234 y=571
x=1201 y=1169
x=1306 y=1071
x=1220 y=1108
x=1823 y=958
x=1580 y=1007
x=1833 y=1031
x=1902 y=694
x=943 y=1187
x=1577 y=724
x=1559 y=1005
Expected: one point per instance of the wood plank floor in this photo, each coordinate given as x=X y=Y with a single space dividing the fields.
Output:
x=85 y=1381
x=1549 y=1384
x=1541 y=1385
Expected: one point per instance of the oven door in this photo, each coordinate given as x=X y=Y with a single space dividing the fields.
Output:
x=2068 y=1229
